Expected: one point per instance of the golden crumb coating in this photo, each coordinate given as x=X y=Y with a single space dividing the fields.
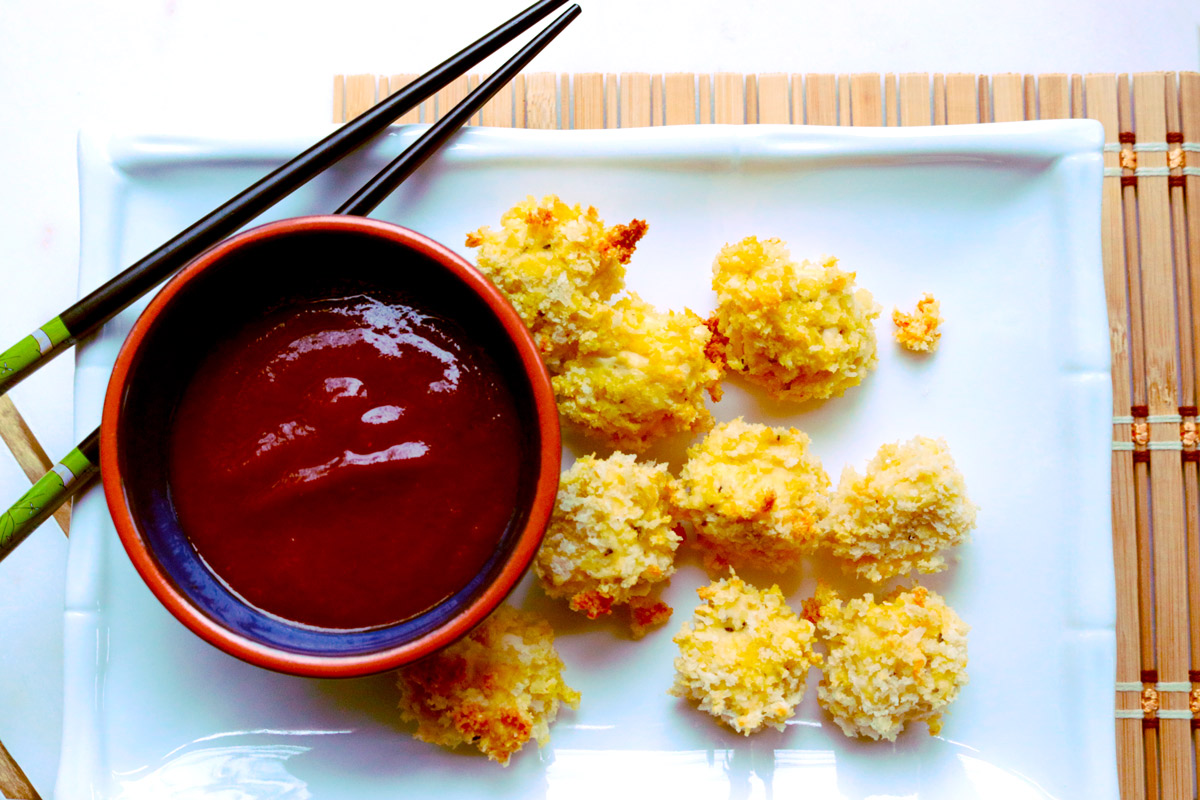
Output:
x=557 y=264
x=898 y=517
x=800 y=330
x=495 y=688
x=890 y=663
x=611 y=538
x=641 y=376
x=755 y=494
x=919 y=331
x=744 y=657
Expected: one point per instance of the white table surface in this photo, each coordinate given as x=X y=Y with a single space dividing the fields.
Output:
x=267 y=65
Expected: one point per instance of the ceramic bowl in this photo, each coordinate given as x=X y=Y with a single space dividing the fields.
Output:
x=221 y=290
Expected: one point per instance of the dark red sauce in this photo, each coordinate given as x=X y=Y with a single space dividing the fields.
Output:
x=346 y=463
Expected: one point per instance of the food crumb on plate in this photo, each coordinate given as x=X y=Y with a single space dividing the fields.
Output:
x=919 y=331
x=800 y=330
x=611 y=539
x=744 y=656
x=495 y=689
x=557 y=264
x=909 y=505
x=755 y=494
x=890 y=663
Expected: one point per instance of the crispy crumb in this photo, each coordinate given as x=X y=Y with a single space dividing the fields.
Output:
x=800 y=330
x=496 y=688
x=611 y=539
x=557 y=264
x=640 y=375
x=919 y=331
x=744 y=656
x=900 y=660
x=755 y=494
x=593 y=605
x=898 y=517
x=646 y=613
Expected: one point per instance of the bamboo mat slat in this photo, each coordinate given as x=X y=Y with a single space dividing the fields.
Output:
x=774 y=103
x=1150 y=230
x=28 y=452
x=1151 y=260
x=680 y=91
x=13 y=782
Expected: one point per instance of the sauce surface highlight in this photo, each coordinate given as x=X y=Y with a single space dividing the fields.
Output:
x=346 y=463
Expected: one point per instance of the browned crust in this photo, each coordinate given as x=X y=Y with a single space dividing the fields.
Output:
x=647 y=614
x=624 y=238
x=593 y=604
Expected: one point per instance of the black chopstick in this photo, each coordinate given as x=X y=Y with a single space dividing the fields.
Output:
x=365 y=200
x=97 y=308
x=79 y=467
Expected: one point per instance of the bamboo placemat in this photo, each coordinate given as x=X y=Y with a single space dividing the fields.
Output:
x=1151 y=254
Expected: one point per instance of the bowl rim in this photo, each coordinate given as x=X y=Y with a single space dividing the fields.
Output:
x=343 y=666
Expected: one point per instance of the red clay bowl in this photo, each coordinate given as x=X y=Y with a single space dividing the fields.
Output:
x=216 y=294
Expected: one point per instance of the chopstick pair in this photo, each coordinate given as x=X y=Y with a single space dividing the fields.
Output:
x=81 y=465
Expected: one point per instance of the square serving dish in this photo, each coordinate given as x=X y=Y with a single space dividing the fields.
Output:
x=1000 y=222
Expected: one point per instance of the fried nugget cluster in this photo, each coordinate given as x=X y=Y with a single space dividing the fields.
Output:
x=755 y=494
x=557 y=264
x=495 y=689
x=919 y=331
x=744 y=656
x=641 y=377
x=898 y=517
x=802 y=330
x=890 y=663
x=611 y=538
x=624 y=372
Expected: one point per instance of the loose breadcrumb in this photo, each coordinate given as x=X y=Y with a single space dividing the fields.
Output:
x=919 y=331
x=611 y=539
x=557 y=264
x=890 y=663
x=744 y=657
x=495 y=688
x=640 y=375
x=909 y=506
x=800 y=330
x=755 y=494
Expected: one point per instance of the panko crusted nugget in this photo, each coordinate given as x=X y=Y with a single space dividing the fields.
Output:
x=557 y=264
x=611 y=539
x=901 y=660
x=495 y=688
x=755 y=494
x=898 y=517
x=799 y=330
x=641 y=375
x=744 y=657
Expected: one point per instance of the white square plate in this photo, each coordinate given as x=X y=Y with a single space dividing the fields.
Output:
x=1000 y=222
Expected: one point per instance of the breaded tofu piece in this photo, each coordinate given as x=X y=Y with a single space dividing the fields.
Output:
x=611 y=539
x=496 y=688
x=755 y=494
x=919 y=331
x=641 y=375
x=557 y=264
x=744 y=657
x=890 y=663
x=898 y=517
x=802 y=331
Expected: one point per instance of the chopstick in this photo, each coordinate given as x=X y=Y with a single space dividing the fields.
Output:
x=97 y=308
x=365 y=200
x=81 y=465
x=76 y=470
